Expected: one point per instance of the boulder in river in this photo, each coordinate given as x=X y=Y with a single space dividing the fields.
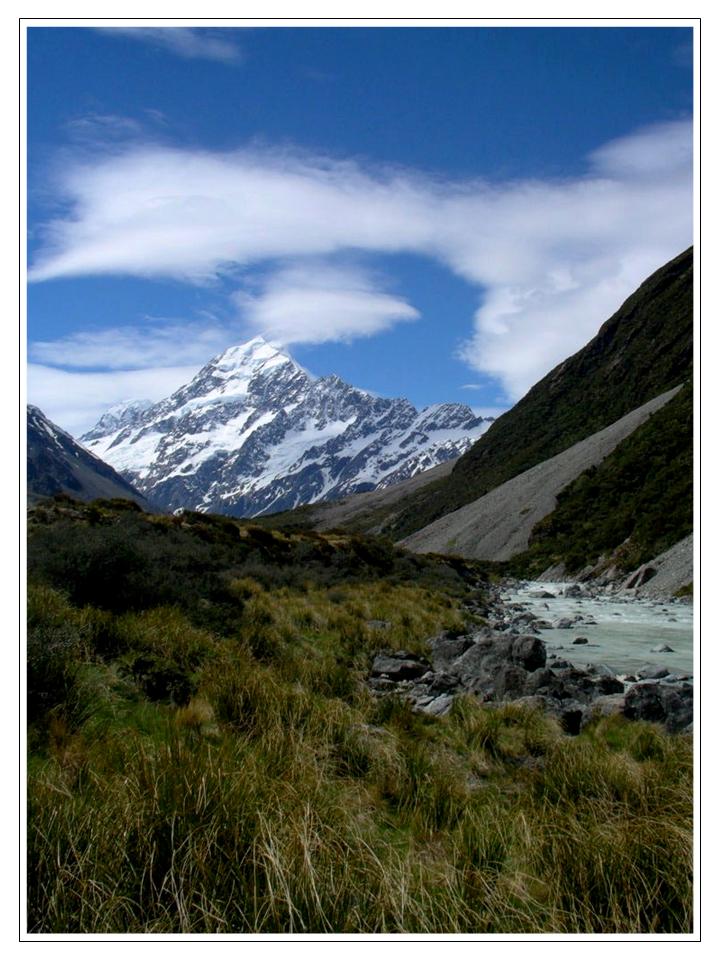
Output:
x=652 y=672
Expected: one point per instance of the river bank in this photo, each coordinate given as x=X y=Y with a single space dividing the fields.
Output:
x=626 y=633
x=573 y=651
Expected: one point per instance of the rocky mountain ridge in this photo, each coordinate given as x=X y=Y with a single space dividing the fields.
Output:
x=58 y=464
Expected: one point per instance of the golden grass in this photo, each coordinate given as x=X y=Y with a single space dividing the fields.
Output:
x=282 y=797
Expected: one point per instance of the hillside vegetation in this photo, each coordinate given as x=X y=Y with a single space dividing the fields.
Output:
x=636 y=504
x=641 y=351
x=204 y=755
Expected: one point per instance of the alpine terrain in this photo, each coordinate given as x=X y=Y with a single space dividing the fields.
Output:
x=253 y=432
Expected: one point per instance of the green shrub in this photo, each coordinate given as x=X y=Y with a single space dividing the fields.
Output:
x=52 y=667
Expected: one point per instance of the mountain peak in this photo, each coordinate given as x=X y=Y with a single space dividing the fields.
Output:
x=254 y=432
x=254 y=353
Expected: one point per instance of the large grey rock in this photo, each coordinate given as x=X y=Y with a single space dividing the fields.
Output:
x=567 y=683
x=446 y=649
x=652 y=672
x=639 y=577
x=600 y=670
x=608 y=685
x=529 y=652
x=399 y=666
x=606 y=706
x=669 y=704
x=439 y=706
x=443 y=683
x=485 y=658
x=510 y=682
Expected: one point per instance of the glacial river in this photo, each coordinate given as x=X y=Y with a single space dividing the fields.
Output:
x=624 y=633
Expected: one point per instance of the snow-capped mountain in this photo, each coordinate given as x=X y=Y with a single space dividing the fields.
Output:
x=255 y=433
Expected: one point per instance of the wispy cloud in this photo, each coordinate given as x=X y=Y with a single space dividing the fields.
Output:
x=315 y=302
x=194 y=44
x=550 y=259
x=76 y=400
x=103 y=126
x=156 y=343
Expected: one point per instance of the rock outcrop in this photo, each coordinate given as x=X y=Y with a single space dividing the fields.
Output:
x=512 y=664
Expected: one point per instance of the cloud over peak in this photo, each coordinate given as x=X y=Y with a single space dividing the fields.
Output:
x=314 y=302
x=550 y=259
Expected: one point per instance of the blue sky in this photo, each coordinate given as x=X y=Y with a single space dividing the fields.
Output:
x=442 y=214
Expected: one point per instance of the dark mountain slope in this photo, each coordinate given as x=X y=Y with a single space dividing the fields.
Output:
x=635 y=504
x=641 y=351
x=57 y=464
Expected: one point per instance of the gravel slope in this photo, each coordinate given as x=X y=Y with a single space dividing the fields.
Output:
x=674 y=570
x=498 y=525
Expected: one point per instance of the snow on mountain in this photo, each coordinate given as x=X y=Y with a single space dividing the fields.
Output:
x=120 y=415
x=255 y=433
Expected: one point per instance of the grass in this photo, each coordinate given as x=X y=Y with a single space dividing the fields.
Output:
x=272 y=793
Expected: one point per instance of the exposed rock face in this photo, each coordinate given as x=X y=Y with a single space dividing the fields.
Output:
x=673 y=570
x=399 y=666
x=253 y=433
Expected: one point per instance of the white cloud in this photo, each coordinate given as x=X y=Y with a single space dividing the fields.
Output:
x=551 y=259
x=182 y=41
x=158 y=343
x=76 y=400
x=316 y=303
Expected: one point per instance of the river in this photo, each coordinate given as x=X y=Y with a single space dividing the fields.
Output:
x=624 y=633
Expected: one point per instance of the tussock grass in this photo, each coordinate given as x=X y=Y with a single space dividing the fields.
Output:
x=238 y=777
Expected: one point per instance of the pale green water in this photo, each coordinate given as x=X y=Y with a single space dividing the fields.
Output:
x=625 y=632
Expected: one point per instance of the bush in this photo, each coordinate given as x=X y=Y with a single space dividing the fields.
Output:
x=162 y=679
x=52 y=667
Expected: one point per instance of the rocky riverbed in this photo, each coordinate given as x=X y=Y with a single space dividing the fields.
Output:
x=568 y=648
